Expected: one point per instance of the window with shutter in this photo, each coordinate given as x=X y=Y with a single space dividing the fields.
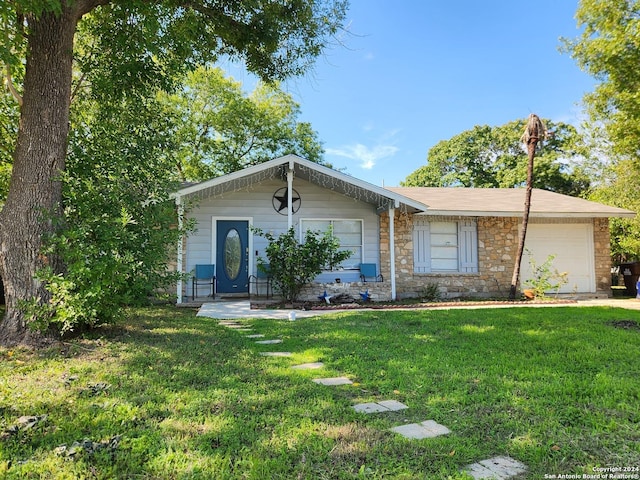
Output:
x=445 y=247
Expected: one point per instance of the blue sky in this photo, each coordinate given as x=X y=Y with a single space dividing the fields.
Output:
x=411 y=73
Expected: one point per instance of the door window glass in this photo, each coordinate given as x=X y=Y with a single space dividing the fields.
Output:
x=232 y=254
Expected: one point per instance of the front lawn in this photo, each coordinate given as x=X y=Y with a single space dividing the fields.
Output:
x=170 y=395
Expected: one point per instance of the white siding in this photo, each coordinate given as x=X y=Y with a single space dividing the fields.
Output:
x=255 y=204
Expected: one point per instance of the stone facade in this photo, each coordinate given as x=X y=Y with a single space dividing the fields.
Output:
x=602 y=250
x=378 y=291
x=497 y=249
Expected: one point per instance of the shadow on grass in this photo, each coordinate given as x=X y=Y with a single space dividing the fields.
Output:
x=555 y=388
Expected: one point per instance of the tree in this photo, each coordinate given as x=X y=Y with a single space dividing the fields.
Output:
x=609 y=49
x=535 y=132
x=118 y=230
x=293 y=264
x=135 y=43
x=219 y=129
x=493 y=157
x=620 y=187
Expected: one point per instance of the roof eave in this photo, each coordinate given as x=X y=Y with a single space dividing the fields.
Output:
x=396 y=199
x=555 y=214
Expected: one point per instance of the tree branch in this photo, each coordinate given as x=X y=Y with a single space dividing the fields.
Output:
x=11 y=87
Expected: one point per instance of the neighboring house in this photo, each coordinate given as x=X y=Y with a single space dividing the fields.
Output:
x=463 y=240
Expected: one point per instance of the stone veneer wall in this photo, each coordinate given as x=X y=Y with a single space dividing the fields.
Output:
x=602 y=248
x=497 y=247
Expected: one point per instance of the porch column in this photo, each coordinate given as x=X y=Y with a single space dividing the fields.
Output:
x=290 y=196
x=179 y=265
x=392 y=251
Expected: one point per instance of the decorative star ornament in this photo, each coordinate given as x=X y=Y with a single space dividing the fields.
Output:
x=281 y=201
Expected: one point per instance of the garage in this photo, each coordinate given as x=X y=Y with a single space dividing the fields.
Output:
x=572 y=245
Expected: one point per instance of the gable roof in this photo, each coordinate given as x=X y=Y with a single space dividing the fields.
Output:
x=304 y=169
x=505 y=202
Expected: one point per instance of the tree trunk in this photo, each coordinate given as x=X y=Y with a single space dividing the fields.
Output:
x=35 y=191
x=531 y=150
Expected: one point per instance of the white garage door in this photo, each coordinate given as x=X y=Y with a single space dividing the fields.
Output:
x=572 y=244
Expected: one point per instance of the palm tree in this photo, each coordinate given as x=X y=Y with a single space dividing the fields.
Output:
x=534 y=132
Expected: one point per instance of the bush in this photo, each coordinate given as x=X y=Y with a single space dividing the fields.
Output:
x=293 y=264
x=545 y=277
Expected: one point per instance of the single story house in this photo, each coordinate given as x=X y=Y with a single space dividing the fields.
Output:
x=461 y=239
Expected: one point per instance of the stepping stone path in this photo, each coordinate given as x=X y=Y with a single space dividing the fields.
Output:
x=383 y=406
x=308 y=366
x=497 y=468
x=417 y=431
x=332 y=382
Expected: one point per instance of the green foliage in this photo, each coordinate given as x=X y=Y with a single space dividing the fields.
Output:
x=114 y=195
x=431 y=293
x=293 y=264
x=492 y=157
x=9 y=115
x=555 y=388
x=144 y=43
x=217 y=129
x=545 y=277
x=620 y=187
x=118 y=230
x=609 y=49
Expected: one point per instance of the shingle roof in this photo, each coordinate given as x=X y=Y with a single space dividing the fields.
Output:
x=505 y=202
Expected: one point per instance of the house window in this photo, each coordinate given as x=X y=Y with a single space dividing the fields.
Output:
x=348 y=233
x=445 y=247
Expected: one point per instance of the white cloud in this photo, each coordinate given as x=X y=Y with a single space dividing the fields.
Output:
x=365 y=155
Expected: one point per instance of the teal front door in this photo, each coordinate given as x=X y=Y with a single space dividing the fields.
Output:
x=232 y=252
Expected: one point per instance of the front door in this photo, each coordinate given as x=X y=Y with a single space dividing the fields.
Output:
x=232 y=245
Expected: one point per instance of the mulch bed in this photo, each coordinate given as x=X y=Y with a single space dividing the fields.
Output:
x=410 y=305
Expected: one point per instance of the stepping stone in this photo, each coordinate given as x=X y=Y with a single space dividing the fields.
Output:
x=332 y=382
x=227 y=323
x=383 y=406
x=418 y=431
x=275 y=354
x=269 y=342
x=499 y=468
x=255 y=335
x=308 y=366
x=236 y=327
x=393 y=405
x=244 y=329
x=369 y=408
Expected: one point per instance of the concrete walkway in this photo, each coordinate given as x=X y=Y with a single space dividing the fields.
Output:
x=242 y=308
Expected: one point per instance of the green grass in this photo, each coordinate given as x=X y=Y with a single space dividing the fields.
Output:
x=181 y=397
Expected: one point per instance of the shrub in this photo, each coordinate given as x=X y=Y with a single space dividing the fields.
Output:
x=293 y=264
x=545 y=277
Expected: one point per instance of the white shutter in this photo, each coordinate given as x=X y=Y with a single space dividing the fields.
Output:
x=468 y=246
x=421 y=248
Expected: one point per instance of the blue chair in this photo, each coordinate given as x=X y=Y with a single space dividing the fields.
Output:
x=262 y=277
x=369 y=270
x=204 y=275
